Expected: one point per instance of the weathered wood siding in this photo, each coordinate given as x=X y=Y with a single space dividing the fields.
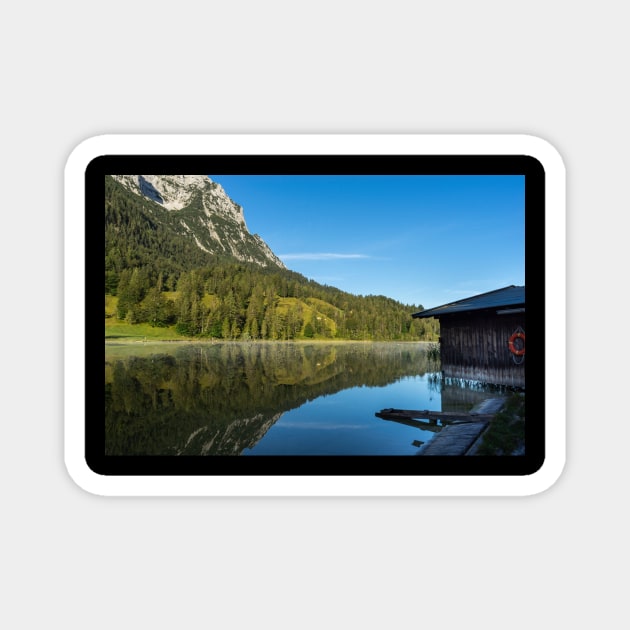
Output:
x=475 y=346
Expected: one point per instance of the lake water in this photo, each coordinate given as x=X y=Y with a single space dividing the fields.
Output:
x=262 y=398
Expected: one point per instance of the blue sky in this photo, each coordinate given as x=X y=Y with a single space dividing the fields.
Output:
x=420 y=239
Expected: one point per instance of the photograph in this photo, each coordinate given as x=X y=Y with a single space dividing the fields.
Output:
x=314 y=310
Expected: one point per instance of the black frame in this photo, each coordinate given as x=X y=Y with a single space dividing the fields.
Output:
x=336 y=164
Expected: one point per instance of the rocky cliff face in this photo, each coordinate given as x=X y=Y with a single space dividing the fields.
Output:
x=205 y=213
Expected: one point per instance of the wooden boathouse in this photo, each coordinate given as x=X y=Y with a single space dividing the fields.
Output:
x=482 y=337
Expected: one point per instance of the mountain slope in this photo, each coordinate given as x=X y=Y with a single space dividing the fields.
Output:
x=198 y=208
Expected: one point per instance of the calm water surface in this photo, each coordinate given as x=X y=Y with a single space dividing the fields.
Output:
x=271 y=398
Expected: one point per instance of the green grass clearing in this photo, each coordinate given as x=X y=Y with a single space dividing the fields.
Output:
x=115 y=329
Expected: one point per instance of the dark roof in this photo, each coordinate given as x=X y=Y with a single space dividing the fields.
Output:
x=511 y=296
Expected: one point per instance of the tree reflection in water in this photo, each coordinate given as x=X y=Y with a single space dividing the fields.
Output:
x=220 y=399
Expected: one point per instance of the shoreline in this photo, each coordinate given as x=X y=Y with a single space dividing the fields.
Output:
x=145 y=341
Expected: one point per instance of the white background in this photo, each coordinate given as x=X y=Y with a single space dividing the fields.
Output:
x=74 y=70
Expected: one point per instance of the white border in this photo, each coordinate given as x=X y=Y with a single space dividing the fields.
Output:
x=306 y=144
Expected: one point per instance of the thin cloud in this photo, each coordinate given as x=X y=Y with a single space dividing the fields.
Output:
x=321 y=256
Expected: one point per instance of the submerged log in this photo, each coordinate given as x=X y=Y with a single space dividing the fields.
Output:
x=433 y=416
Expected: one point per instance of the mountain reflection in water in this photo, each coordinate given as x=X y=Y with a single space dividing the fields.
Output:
x=264 y=398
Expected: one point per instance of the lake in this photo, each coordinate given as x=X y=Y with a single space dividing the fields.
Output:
x=272 y=398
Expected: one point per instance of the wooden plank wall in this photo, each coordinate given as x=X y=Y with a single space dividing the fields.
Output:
x=475 y=346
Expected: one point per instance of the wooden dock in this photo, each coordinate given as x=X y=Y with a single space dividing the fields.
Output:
x=457 y=431
x=455 y=439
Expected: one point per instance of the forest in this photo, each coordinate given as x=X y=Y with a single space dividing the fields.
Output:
x=156 y=276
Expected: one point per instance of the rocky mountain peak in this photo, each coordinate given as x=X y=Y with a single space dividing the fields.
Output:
x=206 y=214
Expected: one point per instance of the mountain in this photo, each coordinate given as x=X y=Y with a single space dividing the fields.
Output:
x=195 y=207
x=178 y=255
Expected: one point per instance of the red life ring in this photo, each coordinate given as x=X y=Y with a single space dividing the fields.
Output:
x=516 y=351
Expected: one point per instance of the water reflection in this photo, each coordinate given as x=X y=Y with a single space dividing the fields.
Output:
x=262 y=398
